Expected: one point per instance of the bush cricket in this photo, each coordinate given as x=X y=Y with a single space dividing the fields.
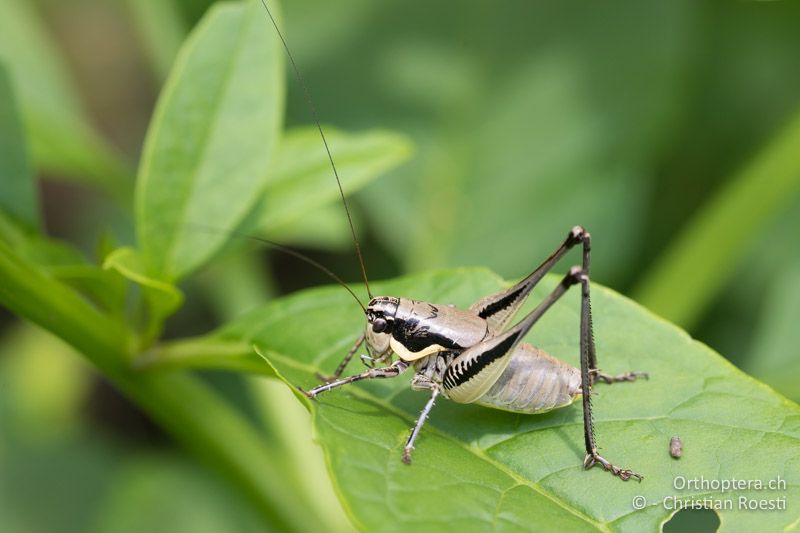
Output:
x=473 y=355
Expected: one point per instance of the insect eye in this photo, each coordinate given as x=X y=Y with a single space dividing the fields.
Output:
x=379 y=325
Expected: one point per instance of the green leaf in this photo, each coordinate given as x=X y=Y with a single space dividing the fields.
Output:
x=18 y=194
x=161 y=298
x=478 y=469
x=65 y=263
x=301 y=180
x=211 y=139
x=322 y=228
x=774 y=355
x=515 y=148
x=60 y=137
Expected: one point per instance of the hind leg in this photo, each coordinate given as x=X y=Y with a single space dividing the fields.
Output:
x=588 y=367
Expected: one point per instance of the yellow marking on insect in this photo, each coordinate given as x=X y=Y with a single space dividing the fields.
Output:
x=407 y=355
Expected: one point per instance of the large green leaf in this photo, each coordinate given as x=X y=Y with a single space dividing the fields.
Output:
x=207 y=152
x=477 y=469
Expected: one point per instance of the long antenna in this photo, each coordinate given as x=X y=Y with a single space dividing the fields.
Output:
x=286 y=250
x=315 y=117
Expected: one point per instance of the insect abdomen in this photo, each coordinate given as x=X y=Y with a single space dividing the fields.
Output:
x=533 y=382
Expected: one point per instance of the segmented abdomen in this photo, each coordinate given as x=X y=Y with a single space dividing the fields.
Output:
x=533 y=382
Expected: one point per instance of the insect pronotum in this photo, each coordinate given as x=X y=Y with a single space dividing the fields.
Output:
x=473 y=355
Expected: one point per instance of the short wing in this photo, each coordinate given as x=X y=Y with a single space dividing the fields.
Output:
x=476 y=369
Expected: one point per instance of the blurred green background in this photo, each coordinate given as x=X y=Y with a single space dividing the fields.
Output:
x=670 y=130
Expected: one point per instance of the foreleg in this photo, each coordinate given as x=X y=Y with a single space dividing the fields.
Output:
x=344 y=363
x=394 y=370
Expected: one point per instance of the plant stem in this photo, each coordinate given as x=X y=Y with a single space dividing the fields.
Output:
x=183 y=405
x=206 y=353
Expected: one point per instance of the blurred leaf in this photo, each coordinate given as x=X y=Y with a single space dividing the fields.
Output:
x=520 y=472
x=236 y=283
x=161 y=31
x=36 y=247
x=775 y=354
x=301 y=204
x=104 y=289
x=185 y=406
x=702 y=260
x=65 y=263
x=289 y=422
x=211 y=139
x=43 y=454
x=18 y=191
x=553 y=170
x=59 y=135
x=735 y=321
x=302 y=181
x=43 y=387
x=314 y=30
x=322 y=228
x=161 y=298
x=32 y=292
x=529 y=144
x=71 y=475
x=197 y=501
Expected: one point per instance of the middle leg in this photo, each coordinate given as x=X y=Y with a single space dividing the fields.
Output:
x=420 y=421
